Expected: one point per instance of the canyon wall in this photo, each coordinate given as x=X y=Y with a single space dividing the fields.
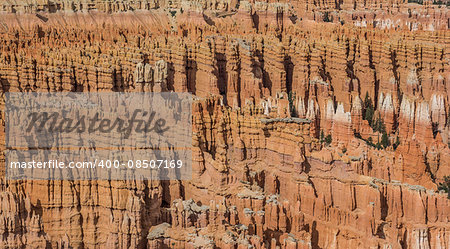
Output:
x=317 y=124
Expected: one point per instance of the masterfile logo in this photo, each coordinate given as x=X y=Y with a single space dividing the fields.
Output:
x=105 y=120
x=55 y=122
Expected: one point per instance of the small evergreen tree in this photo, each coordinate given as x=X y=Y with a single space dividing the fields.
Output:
x=378 y=124
x=378 y=146
x=385 y=140
x=368 y=109
x=291 y=98
x=445 y=186
x=326 y=17
x=328 y=139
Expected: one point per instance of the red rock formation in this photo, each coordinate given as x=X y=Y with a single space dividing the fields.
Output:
x=342 y=127
x=269 y=78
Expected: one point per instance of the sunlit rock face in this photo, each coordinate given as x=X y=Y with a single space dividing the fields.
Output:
x=286 y=149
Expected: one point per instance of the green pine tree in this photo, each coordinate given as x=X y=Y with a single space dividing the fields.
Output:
x=291 y=98
x=368 y=109
x=385 y=140
x=328 y=139
x=445 y=186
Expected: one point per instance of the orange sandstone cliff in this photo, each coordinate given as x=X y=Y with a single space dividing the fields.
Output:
x=317 y=124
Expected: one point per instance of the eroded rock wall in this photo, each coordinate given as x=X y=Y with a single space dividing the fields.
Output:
x=273 y=81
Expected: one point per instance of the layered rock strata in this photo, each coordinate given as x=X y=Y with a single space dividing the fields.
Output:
x=285 y=151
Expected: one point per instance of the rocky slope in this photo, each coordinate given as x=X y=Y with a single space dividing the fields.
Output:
x=318 y=124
